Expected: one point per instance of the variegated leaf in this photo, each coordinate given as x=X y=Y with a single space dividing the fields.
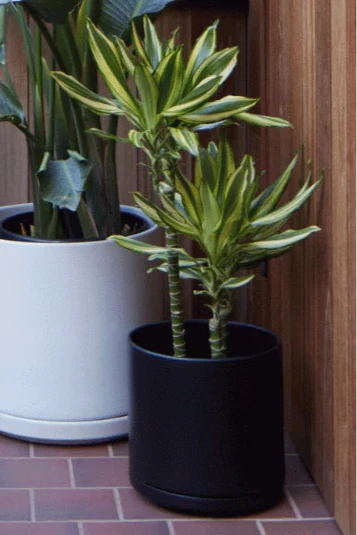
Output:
x=220 y=64
x=219 y=110
x=185 y=139
x=92 y=101
x=205 y=46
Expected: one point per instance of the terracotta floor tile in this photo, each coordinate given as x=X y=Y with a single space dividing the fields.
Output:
x=215 y=527
x=282 y=510
x=296 y=473
x=136 y=508
x=38 y=529
x=306 y=527
x=309 y=502
x=127 y=528
x=121 y=448
x=13 y=448
x=14 y=505
x=34 y=473
x=75 y=505
x=42 y=450
x=111 y=472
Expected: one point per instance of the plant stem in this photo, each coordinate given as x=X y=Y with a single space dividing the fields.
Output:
x=176 y=313
x=218 y=328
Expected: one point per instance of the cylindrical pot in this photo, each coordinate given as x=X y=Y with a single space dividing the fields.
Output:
x=206 y=436
x=67 y=310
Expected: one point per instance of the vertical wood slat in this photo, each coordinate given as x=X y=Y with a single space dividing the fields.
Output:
x=14 y=185
x=307 y=61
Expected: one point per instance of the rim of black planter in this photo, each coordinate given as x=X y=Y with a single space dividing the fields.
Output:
x=203 y=359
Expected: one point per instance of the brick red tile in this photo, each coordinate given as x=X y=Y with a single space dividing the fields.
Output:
x=14 y=505
x=36 y=528
x=306 y=527
x=42 y=450
x=13 y=448
x=121 y=448
x=215 y=527
x=281 y=510
x=111 y=472
x=127 y=528
x=137 y=508
x=296 y=473
x=309 y=502
x=73 y=504
x=34 y=473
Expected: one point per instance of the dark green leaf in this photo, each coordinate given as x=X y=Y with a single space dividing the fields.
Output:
x=10 y=108
x=62 y=182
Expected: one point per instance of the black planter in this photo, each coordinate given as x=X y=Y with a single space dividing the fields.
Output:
x=206 y=436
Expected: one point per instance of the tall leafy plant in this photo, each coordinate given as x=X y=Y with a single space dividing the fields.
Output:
x=235 y=224
x=169 y=102
x=72 y=172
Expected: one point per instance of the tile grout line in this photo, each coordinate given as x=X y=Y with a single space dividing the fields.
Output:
x=170 y=527
x=260 y=528
x=71 y=474
x=118 y=504
x=32 y=505
x=293 y=504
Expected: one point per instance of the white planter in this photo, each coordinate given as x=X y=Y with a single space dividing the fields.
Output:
x=66 y=311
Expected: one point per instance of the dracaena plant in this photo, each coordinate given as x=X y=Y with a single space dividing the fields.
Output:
x=235 y=224
x=72 y=172
x=167 y=104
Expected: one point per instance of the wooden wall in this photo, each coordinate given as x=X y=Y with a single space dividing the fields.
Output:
x=302 y=64
x=301 y=61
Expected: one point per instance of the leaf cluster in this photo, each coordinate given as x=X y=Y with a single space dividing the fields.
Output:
x=235 y=224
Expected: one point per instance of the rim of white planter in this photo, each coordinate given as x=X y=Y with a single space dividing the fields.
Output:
x=67 y=308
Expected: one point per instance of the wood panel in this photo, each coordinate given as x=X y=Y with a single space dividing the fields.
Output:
x=14 y=184
x=306 y=57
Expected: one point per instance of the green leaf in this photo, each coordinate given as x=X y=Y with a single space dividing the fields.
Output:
x=236 y=282
x=263 y=120
x=116 y=16
x=219 y=110
x=149 y=94
x=127 y=58
x=205 y=46
x=148 y=208
x=10 y=107
x=285 y=211
x=55 y=11
x=108 y=62
x=92 y=101
x=211 y=211
x=195 y=98
x=62 y=182
x=190 y=199
x=219 y=64
x=106 y=135
x=169 y=77
x=136 y=245
x=282 y=240
x=153 y=46
x=269 y=198
x=185 y=139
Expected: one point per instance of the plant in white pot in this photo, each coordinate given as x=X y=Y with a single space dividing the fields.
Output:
x=206 y=430
x=70 y=292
